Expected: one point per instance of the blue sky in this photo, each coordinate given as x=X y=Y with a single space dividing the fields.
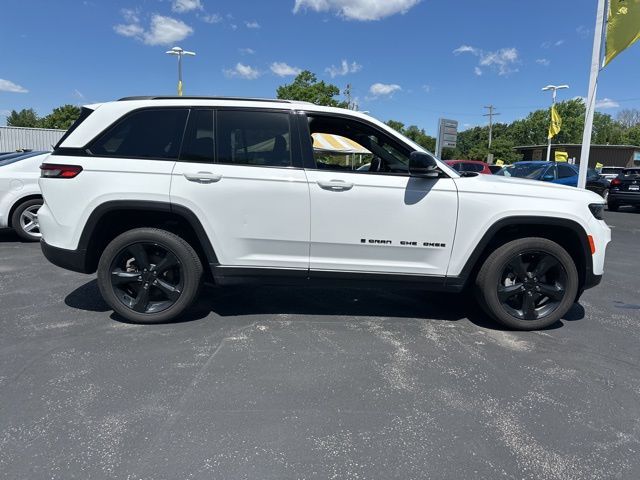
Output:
x=409 y=60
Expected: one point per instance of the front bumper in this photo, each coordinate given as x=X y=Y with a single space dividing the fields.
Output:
x=74 y=260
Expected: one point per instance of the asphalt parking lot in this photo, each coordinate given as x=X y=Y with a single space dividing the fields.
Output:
x=279 y=383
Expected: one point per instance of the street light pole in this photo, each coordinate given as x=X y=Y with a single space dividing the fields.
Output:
x=554 y=89
x=179 y=52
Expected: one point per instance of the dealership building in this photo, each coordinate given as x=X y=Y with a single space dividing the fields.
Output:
x=607 y=155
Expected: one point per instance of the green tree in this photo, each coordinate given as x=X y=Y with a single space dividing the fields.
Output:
x=414 y=133
x=307 y=88
x=26 y=117
x=632 y=136
x=61 y=117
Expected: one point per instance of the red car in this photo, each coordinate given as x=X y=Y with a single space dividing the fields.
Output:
x=475 y=166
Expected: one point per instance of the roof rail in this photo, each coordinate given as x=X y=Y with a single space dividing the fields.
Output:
x=173 y=97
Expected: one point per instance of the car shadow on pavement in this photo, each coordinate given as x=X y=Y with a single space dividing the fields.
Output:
x=7 y=235
x=319 y=302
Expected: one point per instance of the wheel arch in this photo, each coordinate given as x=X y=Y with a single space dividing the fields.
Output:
x=567 y=233
x=112 y=218
x=17 y=203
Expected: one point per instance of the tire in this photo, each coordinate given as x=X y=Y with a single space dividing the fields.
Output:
x=24 y=220
x=612 y=206
x=523 y=271
x=148 y=275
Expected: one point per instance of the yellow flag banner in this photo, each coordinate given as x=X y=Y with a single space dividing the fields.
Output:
x=623 y=26
x=556 y=123
x=561 y=156
x=179 y=88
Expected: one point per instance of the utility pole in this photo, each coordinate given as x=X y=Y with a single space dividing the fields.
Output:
x=491 y=114
x=347 y=93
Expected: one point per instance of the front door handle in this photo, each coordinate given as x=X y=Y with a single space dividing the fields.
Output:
x=203 y=177
x=335 y=185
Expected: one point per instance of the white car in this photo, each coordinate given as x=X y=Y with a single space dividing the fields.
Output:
x=155 y=193
x=611 y=172
x=20 y=197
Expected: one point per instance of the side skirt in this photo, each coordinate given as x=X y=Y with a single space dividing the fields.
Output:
x=329 y=278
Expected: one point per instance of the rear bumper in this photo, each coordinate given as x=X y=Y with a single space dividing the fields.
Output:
x=624 y=198
x=74 y=260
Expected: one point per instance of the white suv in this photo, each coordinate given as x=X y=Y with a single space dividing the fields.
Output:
x=148 y=190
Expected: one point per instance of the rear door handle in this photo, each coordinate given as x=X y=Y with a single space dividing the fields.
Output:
x=203 y=177
x=335 y=185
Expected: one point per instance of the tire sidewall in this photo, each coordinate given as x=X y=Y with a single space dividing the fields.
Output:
x=190 y=265
x=495 y=266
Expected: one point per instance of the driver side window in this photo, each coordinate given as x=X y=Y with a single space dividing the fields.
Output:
x=350 y=146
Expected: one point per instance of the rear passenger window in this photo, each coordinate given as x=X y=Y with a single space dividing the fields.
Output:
x=565 y=171
x=253 y=138
x=153 y=133
x=198 y=144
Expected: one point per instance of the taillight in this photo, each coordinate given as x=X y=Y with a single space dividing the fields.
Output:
x=51 y=170
x=615 y=182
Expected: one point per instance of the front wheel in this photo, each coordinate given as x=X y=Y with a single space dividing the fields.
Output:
x=149 y=275
x=527 y=284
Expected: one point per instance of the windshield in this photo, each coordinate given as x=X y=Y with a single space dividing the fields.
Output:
x=522 y=170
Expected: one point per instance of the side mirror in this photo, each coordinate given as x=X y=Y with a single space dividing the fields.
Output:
x=548 y=178
x=422 y=165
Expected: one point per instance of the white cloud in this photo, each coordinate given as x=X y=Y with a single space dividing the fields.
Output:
x=182 y=6
x=426 y=88
x=245 y=72
x=283 y=70
x=364 y=10
x=383 y=89
x=246 y=51
x=130 y=15
x=253 y=24
x=129 y=30
x=549 y=44
x=211 y=18
x=343 y=69
x=162 y=31
x=465 y=49
x=583 y=32
x=545 y=62
x=9 y=86
x=606 y=103
x=502 y=61
x=601 y=104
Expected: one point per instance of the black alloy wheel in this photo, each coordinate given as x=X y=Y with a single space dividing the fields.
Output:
x=532 y=285
x=528 y=283
x=147 y=277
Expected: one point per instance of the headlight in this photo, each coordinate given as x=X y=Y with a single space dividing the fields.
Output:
x=598 y=210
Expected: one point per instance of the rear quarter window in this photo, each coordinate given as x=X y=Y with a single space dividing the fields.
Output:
x=151 y=133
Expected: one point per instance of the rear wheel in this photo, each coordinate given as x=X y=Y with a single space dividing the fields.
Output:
x=25 y=220
x=528 y=284
x=149 y=275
